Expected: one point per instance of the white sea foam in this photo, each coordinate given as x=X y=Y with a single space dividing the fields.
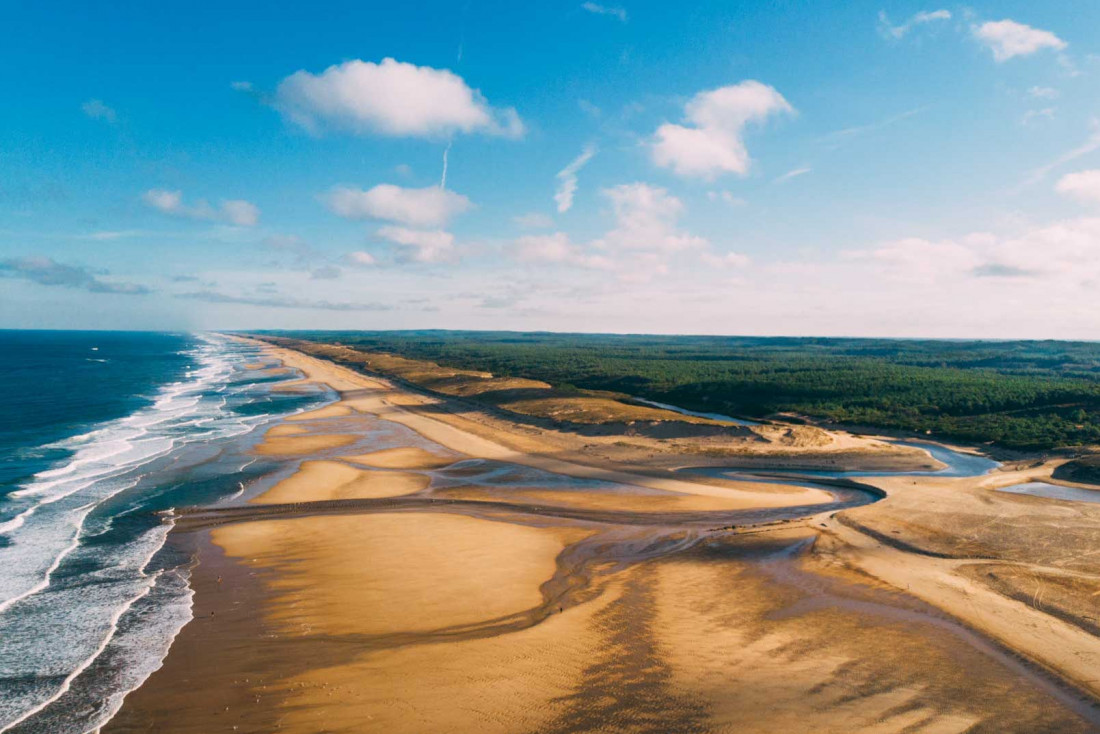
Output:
x=57 y=618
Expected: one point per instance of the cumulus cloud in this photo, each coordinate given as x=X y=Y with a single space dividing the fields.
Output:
x=47 y=271
x=424 y=245
x=1008 y=39
x=567 y=179
x=237 y=212
x=611 y=10
x=711 y=142
x=646 y=220
x=1043 y=93
x=1082 y=185
x=390 y=98
x=427 y=207
x=97 y=110
x=890 y=30
x=279 y=301
x=641 y=244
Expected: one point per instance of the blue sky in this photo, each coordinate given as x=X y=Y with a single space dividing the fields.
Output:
x=896 y=169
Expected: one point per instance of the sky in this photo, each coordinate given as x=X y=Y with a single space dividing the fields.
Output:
x=758 y=168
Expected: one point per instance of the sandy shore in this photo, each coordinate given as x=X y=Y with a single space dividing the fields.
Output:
x=420 y=569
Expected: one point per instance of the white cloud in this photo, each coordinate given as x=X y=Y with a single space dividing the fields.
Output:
x=712 y=144
x=237 y=212
x=1008 y=39
x=360 y=258
x=898 y=31
x=1082 y=185
x=794 y=173
x=645 y=220
x=427 y=246
x=427 y=207
x=567 y=179
x=241 y=86
x=1063 y=255
x=391 y=98
x=97 y=110
x=640 y=245
x=533 y=220
x=597 y=9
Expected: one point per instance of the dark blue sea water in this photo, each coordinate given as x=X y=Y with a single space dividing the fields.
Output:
x=100 y=433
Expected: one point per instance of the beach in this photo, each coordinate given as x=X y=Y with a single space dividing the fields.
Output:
x=416 y=565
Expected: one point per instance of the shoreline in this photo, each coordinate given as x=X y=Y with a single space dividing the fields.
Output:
x=264 y=587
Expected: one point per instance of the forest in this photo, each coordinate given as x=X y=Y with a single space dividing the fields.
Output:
x=1016 y=394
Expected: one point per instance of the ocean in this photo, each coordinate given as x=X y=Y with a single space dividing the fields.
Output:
x=101 y=435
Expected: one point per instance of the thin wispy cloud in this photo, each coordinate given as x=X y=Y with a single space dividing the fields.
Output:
x=856 y=130
x=1091 y=144
x=567 y=179
x=237 y=212
x=279 y=301
x=793 y=173
x=726 y=197
x=889 y=30
x=611 y=10
x=47 y=271
x=98 y=110
x=1043 y=92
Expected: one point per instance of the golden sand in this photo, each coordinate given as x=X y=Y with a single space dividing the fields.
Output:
x=424 y=621
x=403 y=458
x=285 y=430
x=296 y=445
x=387 y=573
x=336 y=410
x=514 y=682
x=333 y=480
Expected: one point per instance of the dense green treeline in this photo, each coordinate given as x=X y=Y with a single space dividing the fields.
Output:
x=1021 y=394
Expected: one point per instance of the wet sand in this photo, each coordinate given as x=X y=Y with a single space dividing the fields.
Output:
x=493 y=596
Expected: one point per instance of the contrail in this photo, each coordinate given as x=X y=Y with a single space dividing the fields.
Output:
x=443 y=181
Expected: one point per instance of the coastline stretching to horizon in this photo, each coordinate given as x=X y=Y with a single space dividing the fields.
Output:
x=368 y=553
x=560 y=367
